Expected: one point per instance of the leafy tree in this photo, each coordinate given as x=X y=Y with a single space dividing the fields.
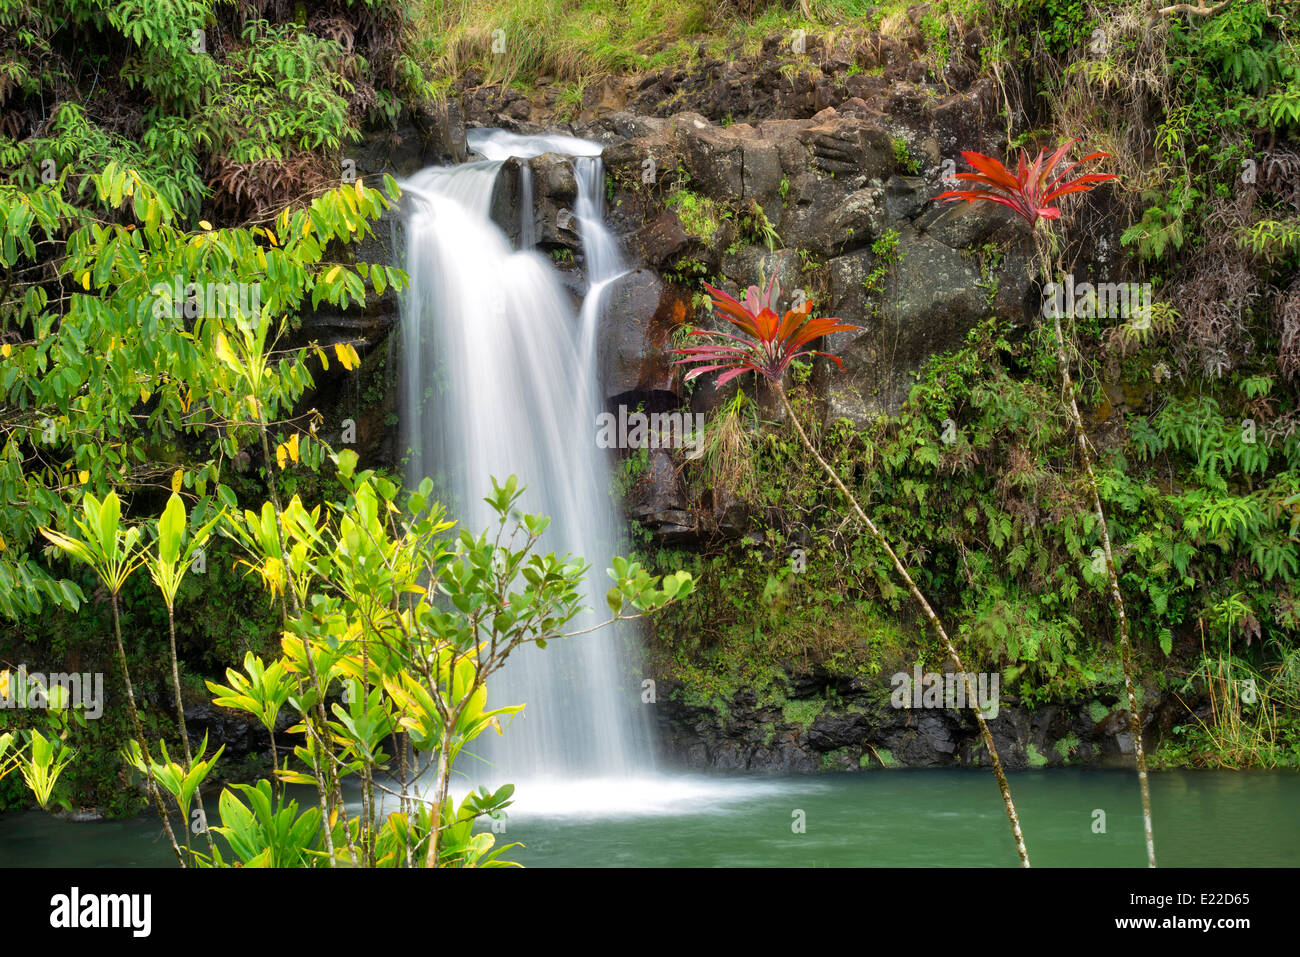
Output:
x=128 y=370
x=386 y=665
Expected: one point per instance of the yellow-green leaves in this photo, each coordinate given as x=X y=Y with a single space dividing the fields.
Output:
x=399 y=628
x=419 y=712
x=116 y=183
x=74 y=547
x=635 y=586
x=180 y=783
x=8 y=763
x=269 y=831
x=347 y=355
x=287 y=452
x=261 y=691
x=174 y=553
x=43 y=764
x=130 y=334
x=111 y=550
x=227 y=354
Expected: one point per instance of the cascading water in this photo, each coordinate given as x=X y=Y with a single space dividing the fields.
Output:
x=499 y=379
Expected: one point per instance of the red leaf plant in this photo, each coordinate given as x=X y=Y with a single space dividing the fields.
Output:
x=773 y=341
x=1027 y=190
x=771 y=344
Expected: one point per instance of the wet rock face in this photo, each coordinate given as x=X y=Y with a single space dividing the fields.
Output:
x=836 y=197
x=554 y=193
x=857 y=728
x=932 y=298
x=238 y=732
x=659 y=501
x=639 y=312
x=426 y=138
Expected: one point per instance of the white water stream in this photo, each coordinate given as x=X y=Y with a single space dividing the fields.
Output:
x=499 y=378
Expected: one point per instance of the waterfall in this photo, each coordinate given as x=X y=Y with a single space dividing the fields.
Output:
x=499 y=378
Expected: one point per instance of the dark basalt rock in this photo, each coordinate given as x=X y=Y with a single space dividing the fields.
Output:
x=962 y=225
x=240 y=733
x=932 y=298
x=639 y=312
x=662 y=240
x=659 y=500
x=734 y=164
x=427 y=138
x=863 y=731
x=832 y=731
x=555 y=192
x=905 y=196
x=830 y=186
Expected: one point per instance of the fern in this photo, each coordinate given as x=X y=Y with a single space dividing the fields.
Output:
x=1274 y=240
x=1161 y=227
x=284 y=91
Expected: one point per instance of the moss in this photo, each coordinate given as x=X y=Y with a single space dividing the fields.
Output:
x=803 y=712
x=904 y=157
x=700 y=685
x=708 y=697
x=1036 y=759
x=1097 y=711
x=878 y=756
x=836 y=760
x=1067 y=746
x=700 y=216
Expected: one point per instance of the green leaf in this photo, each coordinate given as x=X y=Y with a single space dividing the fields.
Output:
x=171 y=527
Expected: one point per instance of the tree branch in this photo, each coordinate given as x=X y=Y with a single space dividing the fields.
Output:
x=1195 y=10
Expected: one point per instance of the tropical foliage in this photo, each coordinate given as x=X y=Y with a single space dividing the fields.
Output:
x=1031 y=189
x=773 y=342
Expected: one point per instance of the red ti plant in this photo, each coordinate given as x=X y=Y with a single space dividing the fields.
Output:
x=770 y=344
x=1027 y=190
x=773 y=341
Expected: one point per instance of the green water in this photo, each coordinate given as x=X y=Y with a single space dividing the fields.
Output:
x=878 y=819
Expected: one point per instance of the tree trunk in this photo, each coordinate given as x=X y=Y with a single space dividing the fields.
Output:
x=185 y=734
x=1125 y=648
x=321 y=735
x=150 y=787
x=440 y=798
